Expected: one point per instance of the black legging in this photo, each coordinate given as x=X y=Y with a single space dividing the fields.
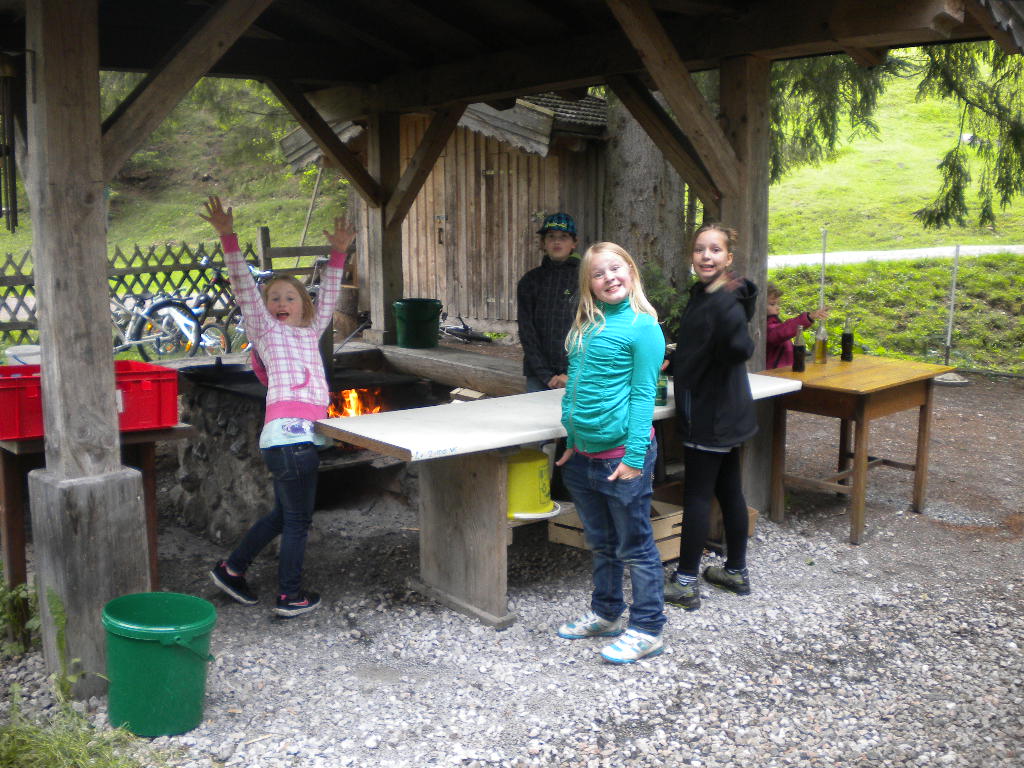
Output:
x=712 y=474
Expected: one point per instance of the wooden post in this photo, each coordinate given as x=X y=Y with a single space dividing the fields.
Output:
x=385 y=242
x=745 y=120
x=87 y=510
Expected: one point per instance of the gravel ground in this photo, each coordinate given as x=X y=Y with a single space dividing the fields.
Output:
x=903 y=651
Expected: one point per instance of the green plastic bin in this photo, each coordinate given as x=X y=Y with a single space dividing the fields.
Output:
x=158 y=644
x=416 y=321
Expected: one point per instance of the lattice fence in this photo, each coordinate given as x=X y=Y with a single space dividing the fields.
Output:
x=156 y=270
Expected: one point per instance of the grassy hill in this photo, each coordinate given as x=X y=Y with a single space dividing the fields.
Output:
x=866 y=195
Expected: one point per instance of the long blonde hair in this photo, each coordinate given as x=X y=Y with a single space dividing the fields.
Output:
x=588 y=313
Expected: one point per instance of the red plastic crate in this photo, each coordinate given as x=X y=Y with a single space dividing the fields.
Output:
x=147 y=398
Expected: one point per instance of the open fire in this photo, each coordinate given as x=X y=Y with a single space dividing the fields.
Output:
x=354 y=402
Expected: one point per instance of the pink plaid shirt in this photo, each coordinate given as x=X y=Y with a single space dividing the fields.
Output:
x=296 y=387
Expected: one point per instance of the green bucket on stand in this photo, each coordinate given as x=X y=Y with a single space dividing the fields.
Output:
x=416 y=321
x=158 y=644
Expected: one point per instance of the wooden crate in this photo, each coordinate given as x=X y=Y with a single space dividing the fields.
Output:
x=666 y=520
x=673 y=494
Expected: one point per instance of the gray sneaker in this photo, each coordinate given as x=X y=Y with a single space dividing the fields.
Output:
x=732 y=582
x=592 y=625
x=687 y=597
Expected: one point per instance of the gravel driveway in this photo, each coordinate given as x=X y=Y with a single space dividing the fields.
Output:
x=903 y=651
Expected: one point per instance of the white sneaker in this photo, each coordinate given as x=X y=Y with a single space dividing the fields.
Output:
x=633 y=646
x=592 y=625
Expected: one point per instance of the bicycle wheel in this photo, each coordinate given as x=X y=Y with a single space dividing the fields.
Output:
x=166 y=329
x=234 y=325
x=214 y=340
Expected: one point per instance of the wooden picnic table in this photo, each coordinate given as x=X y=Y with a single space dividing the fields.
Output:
x=463 y=483
x=854 y=392
x=18 y=457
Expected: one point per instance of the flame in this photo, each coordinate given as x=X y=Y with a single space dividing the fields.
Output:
x=355 y=402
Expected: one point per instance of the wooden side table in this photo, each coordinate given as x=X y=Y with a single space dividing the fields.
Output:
x=855 y=393
x=19 y=457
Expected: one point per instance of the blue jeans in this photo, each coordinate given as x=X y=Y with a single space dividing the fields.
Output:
x=294 y=469
x=616 y=519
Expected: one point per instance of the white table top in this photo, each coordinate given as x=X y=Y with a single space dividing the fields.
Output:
x=416 y=434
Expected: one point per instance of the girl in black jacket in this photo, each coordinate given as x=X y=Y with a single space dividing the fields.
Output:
x=715 y=414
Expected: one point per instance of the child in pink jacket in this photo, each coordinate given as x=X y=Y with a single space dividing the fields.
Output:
x=778 y=352
x=284 y=328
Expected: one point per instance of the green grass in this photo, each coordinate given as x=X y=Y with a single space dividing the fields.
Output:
x=867 y=194
x=900 y=308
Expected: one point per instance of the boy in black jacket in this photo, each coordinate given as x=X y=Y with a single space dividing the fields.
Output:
x=546 y=300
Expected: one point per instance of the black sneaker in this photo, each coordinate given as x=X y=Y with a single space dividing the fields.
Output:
x=296 y=605
x=235 y=586
x=723 y=579
x=687 y=597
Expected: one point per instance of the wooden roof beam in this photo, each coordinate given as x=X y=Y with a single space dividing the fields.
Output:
x=691 y=111
x=313 y=123
x=984 y=17
x=422 y=163
x=665 y=134
x=130 y=125
x=866 y=57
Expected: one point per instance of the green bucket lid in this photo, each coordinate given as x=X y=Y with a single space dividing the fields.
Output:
x=156 y=615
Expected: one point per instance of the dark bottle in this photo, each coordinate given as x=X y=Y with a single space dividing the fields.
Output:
x=661 y=395
x=846 y=342
x=799 y=353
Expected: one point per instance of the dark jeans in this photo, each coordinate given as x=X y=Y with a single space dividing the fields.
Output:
x=712 y=475
x=616 y=519
x=533 y=384
x=294 y=469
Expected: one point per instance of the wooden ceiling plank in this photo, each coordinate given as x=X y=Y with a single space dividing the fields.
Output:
x=983 y=16
x=313 y=123
x=665 y=134
x=416 y=172
x=130 y=125
x=662 y=60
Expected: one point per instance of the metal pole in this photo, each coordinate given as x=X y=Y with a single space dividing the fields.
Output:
x=952 y=303
x=824 y=246
x=309 y=212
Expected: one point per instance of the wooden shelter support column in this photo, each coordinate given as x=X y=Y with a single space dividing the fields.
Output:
x=88 y=517
x=744 y=95
x=384 y=241
x=663 y=62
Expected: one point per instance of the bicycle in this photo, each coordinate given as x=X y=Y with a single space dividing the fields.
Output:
x=166 y=328
x=462 y=331
x=155 y=327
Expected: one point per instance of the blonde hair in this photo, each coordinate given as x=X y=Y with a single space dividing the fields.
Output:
x=308 y=310
x=588 y=313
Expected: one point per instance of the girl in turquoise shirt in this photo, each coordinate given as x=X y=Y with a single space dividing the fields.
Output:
x=615 y=348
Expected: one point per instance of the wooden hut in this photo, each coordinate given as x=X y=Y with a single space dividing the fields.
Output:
x=372 y=62
x=472 y=231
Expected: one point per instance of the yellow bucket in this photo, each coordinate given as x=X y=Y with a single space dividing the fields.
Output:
x=529 y=484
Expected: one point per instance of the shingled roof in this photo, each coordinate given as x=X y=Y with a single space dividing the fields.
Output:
x=589 y=112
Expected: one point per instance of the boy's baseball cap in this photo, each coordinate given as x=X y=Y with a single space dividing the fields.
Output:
x=561 y=222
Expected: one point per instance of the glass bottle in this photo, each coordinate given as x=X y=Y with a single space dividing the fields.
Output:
x=846 y=342
x=821 y=343
x=799 y=353
x=661 y=396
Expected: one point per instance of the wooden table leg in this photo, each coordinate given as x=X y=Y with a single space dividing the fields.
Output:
x=777 y=500
x=844 y=449
x=142 y=456
x=924 y=431
x=13 y=469
x=463 y=535
x=860 y=476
